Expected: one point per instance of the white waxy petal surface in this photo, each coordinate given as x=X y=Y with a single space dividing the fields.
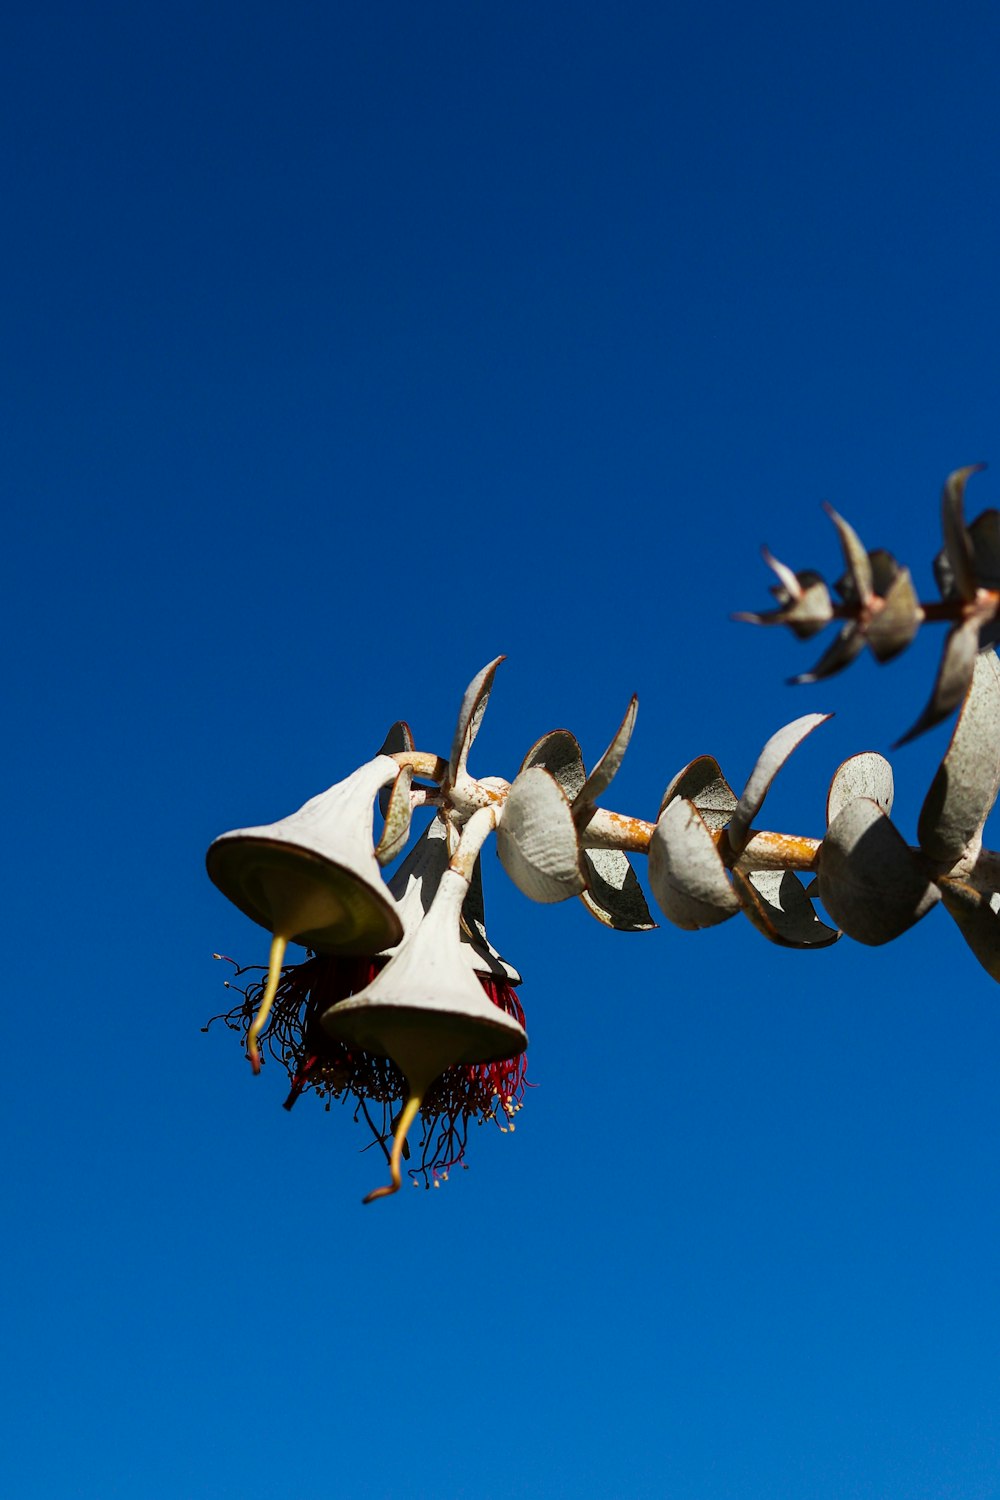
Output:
x=313 y=876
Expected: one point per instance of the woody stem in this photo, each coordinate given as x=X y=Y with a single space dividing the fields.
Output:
x=764 y=851
x=424 y=763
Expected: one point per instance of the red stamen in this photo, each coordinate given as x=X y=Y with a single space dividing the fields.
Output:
x=313 y=1060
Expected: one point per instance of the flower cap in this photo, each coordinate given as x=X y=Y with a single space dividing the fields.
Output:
x=427 y=1011
x=415 y=885
x=313 y=876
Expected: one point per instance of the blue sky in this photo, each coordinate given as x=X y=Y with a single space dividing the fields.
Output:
x=346 y=348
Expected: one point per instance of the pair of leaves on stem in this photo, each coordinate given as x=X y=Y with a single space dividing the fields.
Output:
x=967 y=571
x=396 y=802
x=546 y=809
x=704 y=828
x=876 y=591
x=550 y=804
x=882 y=609
x=871 y=882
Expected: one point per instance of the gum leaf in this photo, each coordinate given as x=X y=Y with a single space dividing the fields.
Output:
x=400 y=737
x=958 y=661
x=770 y=761
x=537 y=839
x=470 y=716
x=985 y=535
x=838 y=655
x=397 y=818
x=776 y=903
x=859 y=566
x=977 y=916
x=560 y=754
x=606 y=769
x=614 y=895
x=957 y=542
x=898 y=621
x=703 y=783
x=869 y=880
x=866 y=775
x=686 y=872
x=966 y=784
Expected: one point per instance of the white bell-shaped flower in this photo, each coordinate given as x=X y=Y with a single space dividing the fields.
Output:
x=312 y=878
x=415 y=885
x=427 y=1011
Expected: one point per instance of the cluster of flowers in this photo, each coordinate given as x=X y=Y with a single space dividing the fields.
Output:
x=316 y=1062
x=405 y=1010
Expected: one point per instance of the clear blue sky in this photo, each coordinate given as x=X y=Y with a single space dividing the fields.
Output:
x=344 y=348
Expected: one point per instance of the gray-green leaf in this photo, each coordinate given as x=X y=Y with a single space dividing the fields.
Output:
x=702 y=782
x=776 y=903
x=977 y=916
x=537 y=840
x=614 y=895
x=559 y=753
x=606 y=769
x=966 y=784
x=865 y=775
x=770 y=761
x=686 y=871
x=869 y=879
x=470 y=716
x=952 y=683
x=397 y=818
x=859 y=568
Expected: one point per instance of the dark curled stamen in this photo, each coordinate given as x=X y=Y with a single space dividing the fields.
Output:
x=315 y=1062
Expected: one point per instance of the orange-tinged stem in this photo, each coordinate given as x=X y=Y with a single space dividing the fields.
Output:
x=423 y=762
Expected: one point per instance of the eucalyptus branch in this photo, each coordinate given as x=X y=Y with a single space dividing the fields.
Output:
x=405 y=1001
